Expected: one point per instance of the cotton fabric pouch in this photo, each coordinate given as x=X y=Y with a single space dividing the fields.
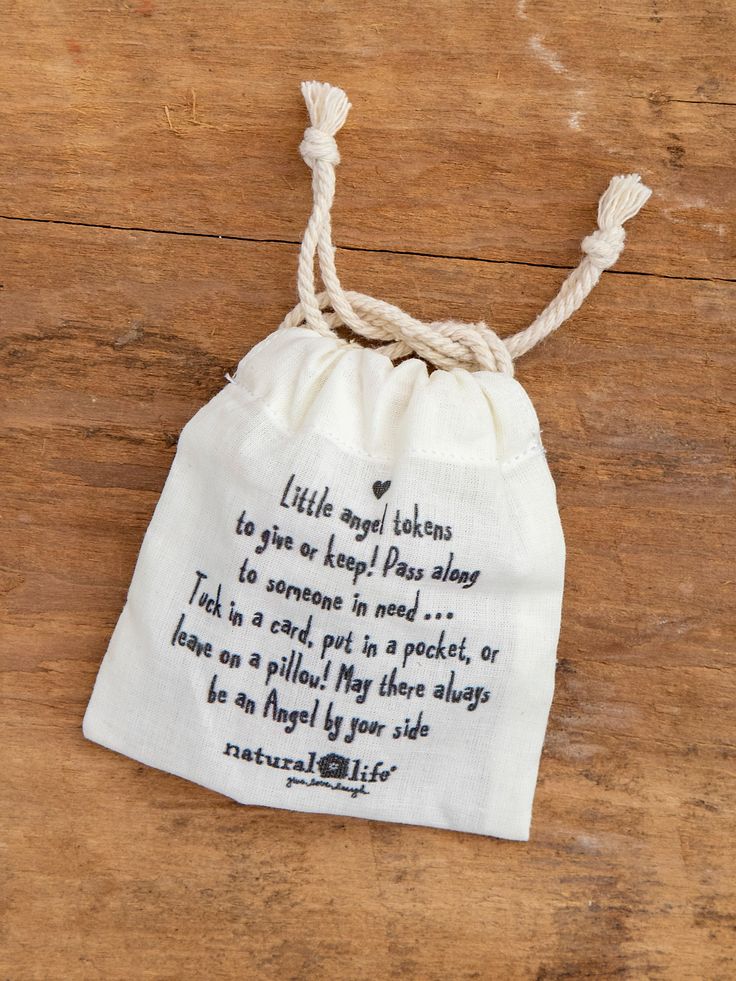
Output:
x=348 y=597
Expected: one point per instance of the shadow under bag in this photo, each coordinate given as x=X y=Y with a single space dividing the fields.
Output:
x=348 y=598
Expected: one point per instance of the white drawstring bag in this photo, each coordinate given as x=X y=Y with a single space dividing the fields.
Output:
x=348 y=598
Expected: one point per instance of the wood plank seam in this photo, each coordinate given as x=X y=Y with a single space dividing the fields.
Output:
x=367 y=251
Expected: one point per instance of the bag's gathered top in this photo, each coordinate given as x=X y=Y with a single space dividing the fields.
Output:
x=348 y=598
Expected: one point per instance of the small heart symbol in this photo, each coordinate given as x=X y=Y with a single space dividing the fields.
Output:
x=380 y=488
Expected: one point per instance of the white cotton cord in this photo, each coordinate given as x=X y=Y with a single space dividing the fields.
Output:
x=625 y=196
x=328 y=108
x=447 y=344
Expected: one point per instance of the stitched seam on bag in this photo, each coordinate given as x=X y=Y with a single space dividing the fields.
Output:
x=534 y=448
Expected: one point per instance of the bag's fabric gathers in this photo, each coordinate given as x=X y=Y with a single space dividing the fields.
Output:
x=348 y=598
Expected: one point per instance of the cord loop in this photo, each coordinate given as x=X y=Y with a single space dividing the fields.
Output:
x=447 y=344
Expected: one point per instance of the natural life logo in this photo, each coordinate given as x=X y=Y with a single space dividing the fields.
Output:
x=333 y=765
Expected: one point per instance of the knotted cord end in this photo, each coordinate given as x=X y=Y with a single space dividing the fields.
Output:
x=624 y=198
x=328 y=108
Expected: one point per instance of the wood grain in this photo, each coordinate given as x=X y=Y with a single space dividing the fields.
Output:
x=460 y=145
x=520 y=113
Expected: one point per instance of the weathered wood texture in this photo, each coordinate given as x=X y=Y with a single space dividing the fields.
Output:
x=518 y=113
x=483 y=132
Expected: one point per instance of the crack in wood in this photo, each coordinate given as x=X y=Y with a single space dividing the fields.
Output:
x=356 y=248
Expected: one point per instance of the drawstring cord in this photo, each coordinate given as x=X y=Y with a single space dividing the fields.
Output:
x=447 y=343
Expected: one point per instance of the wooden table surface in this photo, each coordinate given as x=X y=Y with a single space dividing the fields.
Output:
x=152 y=204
